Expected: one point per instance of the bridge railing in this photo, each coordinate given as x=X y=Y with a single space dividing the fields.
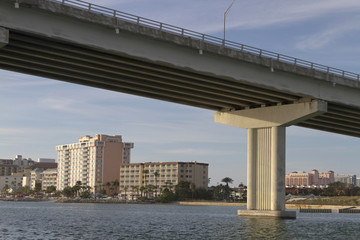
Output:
x=207 y=38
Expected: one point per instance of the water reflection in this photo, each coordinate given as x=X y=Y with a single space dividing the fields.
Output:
x=260 y=228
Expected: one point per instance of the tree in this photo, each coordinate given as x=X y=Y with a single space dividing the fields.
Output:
x=145 y=172
x=5 y=189
x=76 y=188
x=202 y=193
x=226 y=188
x=68 y=192
x=116 y=185
x=156 y=174
x=133 y=189
x=338 y=189
x=219 y=192
x=167 y=196
x=85 y=194
x=125 y=189
x=37 y=186
x=150 y=190
x=108 y=184
x=227 y=180
x=182 y=190
x=24 y=190
x=50 y=189
x=192 y=188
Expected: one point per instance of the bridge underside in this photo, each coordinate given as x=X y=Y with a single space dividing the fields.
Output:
x=44 y=57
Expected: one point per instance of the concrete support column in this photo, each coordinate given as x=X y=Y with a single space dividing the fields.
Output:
x=4 y=37
x=266 y=152
x=251 y=170
x=278 y=143
x=266 y=169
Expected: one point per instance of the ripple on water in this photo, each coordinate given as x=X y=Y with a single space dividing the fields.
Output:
x=110 y=221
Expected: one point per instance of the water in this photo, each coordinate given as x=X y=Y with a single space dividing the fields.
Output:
x=48 y=220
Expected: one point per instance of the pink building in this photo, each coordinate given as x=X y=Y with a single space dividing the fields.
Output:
x=314 y=178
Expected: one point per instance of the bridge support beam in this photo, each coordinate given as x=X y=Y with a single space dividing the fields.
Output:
x=266 y=153
x=4 y=37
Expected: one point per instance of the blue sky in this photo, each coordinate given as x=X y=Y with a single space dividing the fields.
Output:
x=38 y=114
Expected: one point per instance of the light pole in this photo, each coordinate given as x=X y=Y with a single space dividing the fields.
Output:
x=225 y=14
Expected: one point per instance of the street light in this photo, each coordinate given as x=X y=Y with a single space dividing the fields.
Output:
x=225 y=14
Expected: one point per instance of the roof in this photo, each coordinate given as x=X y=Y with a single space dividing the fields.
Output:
x=43 y=165
x=163 y=163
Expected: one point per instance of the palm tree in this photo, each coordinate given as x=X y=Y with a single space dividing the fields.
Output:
x=192 y=188
x=125 y=189
x=227 y=180
x=133 y=188
x=116 y=184
x=227 y=190
x=137 y=191
x=142 y=189
x=108 y=184
x=77 y=187
x=145 y=172
x=5 y=189
x=13 y=184
x=156 y=175
x=150 y=190
x=171 y=186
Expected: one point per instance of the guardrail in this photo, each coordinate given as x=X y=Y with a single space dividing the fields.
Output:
x=207 y=38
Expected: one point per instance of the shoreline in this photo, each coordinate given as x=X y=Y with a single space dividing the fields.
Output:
x=189 y=203
x=209 y=203
x=287 y=206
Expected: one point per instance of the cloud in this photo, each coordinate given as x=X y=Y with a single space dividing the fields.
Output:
x=10 y=131
x=197 y=152
x=207 y=15
x=327 y=36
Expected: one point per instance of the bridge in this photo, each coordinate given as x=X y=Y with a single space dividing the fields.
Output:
x=251 y=88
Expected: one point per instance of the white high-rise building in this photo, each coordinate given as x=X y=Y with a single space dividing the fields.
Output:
x=92 y=160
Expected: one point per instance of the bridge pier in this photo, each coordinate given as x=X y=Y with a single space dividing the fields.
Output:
x=266 y=153
x=4 y=37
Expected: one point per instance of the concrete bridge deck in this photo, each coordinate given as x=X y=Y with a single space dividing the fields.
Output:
x=75 y=42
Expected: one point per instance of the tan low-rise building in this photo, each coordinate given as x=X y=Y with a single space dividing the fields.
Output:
x=7 y=169
x=12 y=182
x=48 y=178
x=35 y=177
x=165 y=174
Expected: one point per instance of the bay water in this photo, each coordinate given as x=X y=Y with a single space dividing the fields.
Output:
x=50 y=220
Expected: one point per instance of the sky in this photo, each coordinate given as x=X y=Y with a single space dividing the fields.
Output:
x=37 y=114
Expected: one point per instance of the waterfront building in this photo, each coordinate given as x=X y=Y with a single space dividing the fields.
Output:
x=33 y=173
x=6 y=161
x=164 y=174
x=314 y=179
x=18 y=164
x=35 y=177
x=358 y=182
x=43 y=166
x=92 y=160
x=48 y=160
x=8 y=169
x=13 y=182
x=346 y=178
x=23 y=162
x=48 y=178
